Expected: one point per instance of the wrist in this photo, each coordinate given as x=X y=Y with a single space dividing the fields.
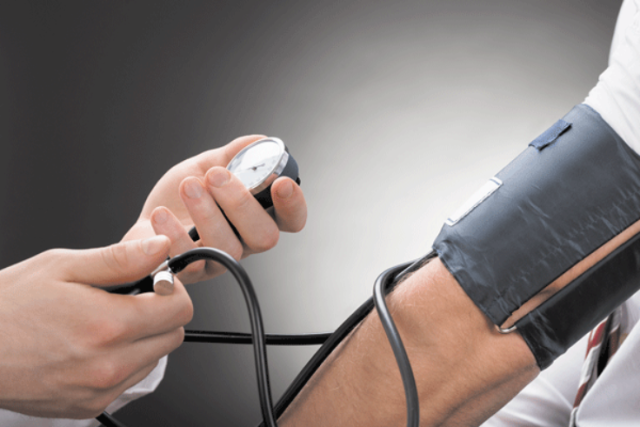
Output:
x=456 y=353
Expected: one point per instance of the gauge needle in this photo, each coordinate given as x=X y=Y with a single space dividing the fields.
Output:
x=255 y=168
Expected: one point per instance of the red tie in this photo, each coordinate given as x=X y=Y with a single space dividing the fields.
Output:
x=604 y=341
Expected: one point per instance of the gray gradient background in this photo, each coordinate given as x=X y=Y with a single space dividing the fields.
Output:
x=395 y=111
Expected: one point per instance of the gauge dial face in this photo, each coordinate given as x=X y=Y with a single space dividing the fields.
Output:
x=255 y=164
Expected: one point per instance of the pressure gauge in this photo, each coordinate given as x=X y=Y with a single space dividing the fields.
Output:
x=258 y=165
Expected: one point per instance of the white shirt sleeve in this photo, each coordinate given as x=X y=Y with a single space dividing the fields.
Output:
x=146 y=386
x=616 y=96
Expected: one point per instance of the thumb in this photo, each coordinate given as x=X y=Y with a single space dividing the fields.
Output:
x=118 y=263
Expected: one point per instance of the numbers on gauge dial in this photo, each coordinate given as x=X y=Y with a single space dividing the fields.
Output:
x=256 y=164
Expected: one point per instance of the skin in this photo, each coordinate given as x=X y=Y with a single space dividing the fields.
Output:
x=465 y=370
x=69 y=349
x=450 y=345
x=192 y=193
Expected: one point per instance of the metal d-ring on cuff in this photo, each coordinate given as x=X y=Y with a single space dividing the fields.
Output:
x=505 y=331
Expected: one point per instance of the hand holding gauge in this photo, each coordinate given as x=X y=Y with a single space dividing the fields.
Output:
x=258 y=165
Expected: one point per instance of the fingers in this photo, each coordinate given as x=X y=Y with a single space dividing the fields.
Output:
x=103 y=396
x=209 y=220
x=289 y=204
x=118 y=263
x=164 y=222
x=136 y=360
x=257 y=229
x=135 y=378
x=217 y=196
x=222 y=194
x=108 y=377
x=149 y=314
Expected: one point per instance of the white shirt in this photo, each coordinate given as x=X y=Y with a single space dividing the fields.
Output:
x=614 y=399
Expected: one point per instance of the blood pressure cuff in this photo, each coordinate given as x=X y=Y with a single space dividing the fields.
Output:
x=573 y=189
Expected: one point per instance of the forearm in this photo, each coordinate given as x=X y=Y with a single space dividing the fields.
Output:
x=465 y=370
x=460 y=363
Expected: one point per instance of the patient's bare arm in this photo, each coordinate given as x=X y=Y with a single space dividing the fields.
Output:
x=465 y=370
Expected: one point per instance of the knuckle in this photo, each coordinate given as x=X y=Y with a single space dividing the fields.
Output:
x=235 y=250
x=297 y=226
x=81 y=348
x=205 y=159
x=243 y=200
x=53 y=255
x=116 y=257
x=186 y=312
x=177 y=338
x=213 y=269
x=267 y=240
x=195 y=267
x=187 y=277
x=103 y=332
x=106 y=374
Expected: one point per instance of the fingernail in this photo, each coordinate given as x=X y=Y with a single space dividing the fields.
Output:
x=218 y=178
x=285 y=190
x=193 y=189
x=160 y=216
x=155 y=244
